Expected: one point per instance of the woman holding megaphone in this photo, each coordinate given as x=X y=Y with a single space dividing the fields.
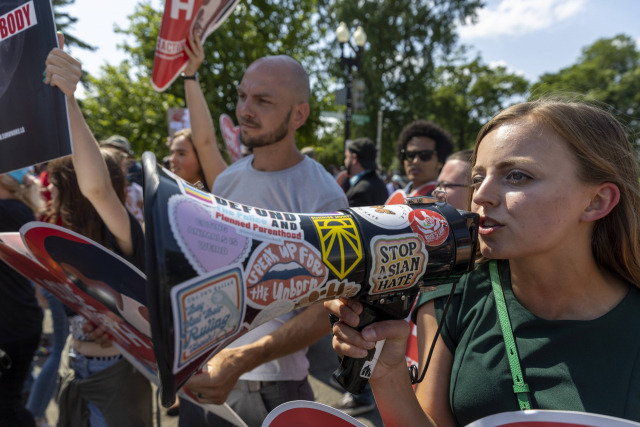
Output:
x=555 y=290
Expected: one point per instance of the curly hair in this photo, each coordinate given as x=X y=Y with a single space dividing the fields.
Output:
x=442 y=138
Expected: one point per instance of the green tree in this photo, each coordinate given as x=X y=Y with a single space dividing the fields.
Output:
x=122 y=101
x=254 y=29
x=607 y=72
x=405 y=39
x=468 y=94
x=405 y=67
x=120 y=104
x=64 y=23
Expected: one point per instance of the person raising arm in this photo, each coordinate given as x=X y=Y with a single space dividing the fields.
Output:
x=203 y=133
x=64 y=72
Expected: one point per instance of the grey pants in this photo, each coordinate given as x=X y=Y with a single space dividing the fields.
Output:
x=252 y=406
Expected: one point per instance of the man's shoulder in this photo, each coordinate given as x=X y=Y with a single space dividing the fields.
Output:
x=233 y=169
x=240 y=164
x=315 y=169
x=308 y=162
x=374 y=178
x=320 y=186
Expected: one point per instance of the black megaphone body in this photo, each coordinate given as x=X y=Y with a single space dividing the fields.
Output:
x=217 y=269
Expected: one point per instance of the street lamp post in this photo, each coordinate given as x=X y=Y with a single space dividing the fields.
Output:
x=348 y=63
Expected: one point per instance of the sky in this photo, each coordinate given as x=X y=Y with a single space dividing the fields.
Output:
x=530 y=37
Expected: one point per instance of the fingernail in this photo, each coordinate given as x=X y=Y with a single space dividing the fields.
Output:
x=369 y=334
x=60 y=32
x=356 y=306
x=362 y=353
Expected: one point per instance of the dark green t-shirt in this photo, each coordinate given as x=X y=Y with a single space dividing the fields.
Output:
x=589 y=366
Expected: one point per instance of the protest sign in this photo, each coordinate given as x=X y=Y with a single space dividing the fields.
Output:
x=231 y=136
x=34 y=126
x=308 y=414
x=96 y=283
x=539 y=418
x=178 y=119
x=179 y=19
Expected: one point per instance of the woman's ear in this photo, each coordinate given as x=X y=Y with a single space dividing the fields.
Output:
x=605 y=198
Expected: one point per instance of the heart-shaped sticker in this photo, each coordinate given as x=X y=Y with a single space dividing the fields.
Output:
x=207 y=244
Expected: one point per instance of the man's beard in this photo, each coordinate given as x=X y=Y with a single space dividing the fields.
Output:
x=271 y=138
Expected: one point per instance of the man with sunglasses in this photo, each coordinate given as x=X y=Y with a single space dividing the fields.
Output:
x=422 y=148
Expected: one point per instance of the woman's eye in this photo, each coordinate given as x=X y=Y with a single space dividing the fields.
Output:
x=517 y=176
x=476 y=181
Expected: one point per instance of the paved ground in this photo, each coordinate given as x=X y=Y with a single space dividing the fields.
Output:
x=323 y=363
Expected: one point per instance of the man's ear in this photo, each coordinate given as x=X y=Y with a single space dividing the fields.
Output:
x=300 y=114
x=605 y=198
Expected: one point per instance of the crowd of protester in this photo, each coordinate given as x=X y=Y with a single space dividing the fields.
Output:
x=567 y=158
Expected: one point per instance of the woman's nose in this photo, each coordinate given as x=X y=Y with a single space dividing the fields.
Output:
x=485 y=192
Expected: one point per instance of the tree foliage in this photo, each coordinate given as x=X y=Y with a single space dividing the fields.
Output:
x=64 y=22
x=128 y=106
x=255 y=28
x=407 y=67
x=405 y=40
x=467 y=94
x=607 y=72
x=122 y=101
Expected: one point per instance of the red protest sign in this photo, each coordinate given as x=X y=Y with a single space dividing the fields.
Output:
x=231 y=136
x=89 y=279
x=310 y=414
x=178 y=20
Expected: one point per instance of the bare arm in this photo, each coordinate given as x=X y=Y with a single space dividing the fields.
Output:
x=225 y=368
x=202 y=130
x=390 y=380
x=94 y=180
x=433 y=392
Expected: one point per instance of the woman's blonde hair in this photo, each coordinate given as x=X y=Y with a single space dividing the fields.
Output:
x=604 y=154
x=27 y=192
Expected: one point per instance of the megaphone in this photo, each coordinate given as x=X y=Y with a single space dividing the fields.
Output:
x=217 y=269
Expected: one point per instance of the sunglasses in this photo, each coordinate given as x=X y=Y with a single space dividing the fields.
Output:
x=424 y=155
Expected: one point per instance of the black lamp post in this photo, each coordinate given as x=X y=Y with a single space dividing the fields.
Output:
x=348 y=63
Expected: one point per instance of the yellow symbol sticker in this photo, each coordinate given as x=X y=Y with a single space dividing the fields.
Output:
x=340 y=243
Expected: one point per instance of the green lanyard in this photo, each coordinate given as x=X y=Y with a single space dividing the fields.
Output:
x=520 y=388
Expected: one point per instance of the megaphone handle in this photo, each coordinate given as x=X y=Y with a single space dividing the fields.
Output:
x=353 y=374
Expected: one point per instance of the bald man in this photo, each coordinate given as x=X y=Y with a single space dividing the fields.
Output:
x=268 y=366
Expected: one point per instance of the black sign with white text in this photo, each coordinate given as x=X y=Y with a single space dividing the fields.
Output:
x=34 y=126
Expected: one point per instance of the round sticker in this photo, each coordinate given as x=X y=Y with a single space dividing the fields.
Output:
x=430 y=226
